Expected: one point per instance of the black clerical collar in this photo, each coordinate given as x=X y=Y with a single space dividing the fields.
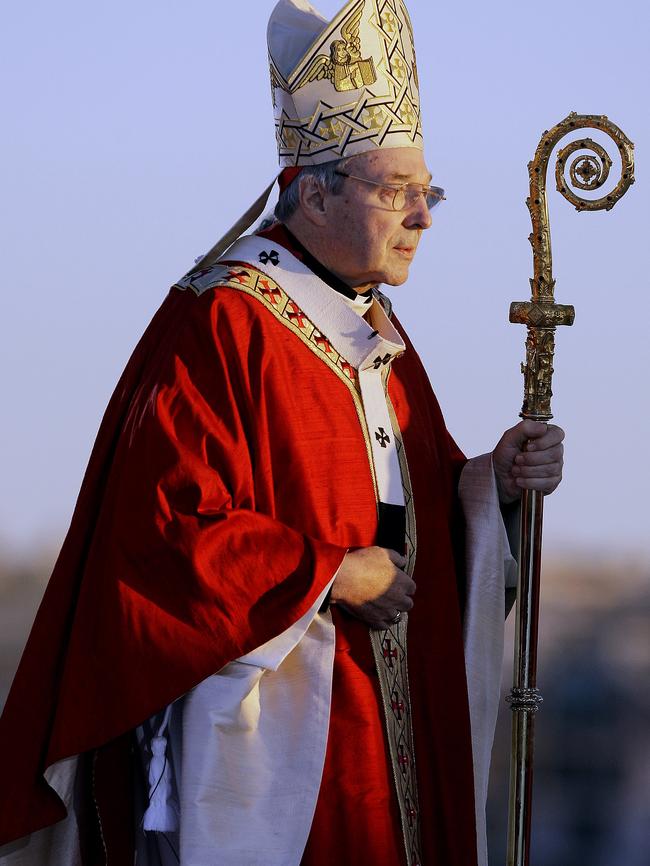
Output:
x=326 y=276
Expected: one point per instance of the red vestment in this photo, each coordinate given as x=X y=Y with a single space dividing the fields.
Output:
x=229 y=477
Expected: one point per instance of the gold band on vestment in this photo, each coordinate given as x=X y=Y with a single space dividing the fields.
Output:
x=391 y=659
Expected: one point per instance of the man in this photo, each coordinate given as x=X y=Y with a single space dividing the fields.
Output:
x=278 y=551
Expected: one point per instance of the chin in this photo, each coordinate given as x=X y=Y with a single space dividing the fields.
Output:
x=395 y=277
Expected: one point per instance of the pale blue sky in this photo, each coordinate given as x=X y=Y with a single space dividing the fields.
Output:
x=136 y=132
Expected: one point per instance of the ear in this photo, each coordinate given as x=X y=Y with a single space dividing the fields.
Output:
x=312 y=200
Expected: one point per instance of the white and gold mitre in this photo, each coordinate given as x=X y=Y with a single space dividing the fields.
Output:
x=339 y=88
x=342 y=87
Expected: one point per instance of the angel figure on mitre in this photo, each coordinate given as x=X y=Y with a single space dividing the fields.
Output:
x=345 y=67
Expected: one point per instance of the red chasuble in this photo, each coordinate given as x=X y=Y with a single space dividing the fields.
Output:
x=229 y=477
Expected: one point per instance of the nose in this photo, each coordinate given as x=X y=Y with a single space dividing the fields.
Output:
x=418 y=216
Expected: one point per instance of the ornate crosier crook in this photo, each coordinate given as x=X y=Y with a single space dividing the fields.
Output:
x=541 y=314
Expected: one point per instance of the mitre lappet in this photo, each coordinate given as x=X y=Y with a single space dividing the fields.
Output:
x=339 y=88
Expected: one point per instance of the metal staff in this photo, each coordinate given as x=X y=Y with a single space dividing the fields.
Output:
x=542 y=315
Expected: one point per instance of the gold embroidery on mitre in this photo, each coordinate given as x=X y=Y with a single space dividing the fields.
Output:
x=345 y=67
x=355 y=88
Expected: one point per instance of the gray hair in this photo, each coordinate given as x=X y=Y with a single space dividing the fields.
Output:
x=324 y=174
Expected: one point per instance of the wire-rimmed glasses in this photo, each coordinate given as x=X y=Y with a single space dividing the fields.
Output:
x=405 y=195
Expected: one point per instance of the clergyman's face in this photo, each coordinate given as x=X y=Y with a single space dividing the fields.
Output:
x=371 y=242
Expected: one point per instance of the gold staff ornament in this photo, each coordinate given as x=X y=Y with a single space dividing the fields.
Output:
x=588 y=171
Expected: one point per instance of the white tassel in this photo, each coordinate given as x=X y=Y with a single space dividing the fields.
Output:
x=162 y=813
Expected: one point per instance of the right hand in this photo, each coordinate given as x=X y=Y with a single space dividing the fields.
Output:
x=371 y=585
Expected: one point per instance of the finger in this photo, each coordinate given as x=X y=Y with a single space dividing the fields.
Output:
x=396 y=558
x=388 y=620
x=528 y=429
x=538 y=458
x=405 y=604
x=402 y=589
x=402 y=586
x=547 y=470
x=556 y=432
x=378 y=624
x=553 y=436
x=408 y=585
x=382 y=616
x=396 y=597
x=372 y=614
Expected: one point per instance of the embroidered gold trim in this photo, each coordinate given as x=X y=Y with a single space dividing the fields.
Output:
x=263 y=288
x=390 y=653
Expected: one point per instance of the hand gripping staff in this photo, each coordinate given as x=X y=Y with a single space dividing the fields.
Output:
x=541 y=315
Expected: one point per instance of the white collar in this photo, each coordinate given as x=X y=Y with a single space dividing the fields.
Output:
x=362 y=344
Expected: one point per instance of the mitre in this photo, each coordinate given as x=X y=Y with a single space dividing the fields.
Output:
x=343 y=87
x=339 y=88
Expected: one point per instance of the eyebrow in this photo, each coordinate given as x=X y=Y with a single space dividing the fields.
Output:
x=405 y=177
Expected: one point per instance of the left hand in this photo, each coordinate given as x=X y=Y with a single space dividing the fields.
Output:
x=528 y=456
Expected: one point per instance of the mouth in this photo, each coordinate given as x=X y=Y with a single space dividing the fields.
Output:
x=407 y=252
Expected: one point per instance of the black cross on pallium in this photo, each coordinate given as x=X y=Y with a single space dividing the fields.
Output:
x=382 y=437
x=272 y=257
x=379 y=361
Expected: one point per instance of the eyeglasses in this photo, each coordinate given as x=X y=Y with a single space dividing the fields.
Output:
x=405 y=195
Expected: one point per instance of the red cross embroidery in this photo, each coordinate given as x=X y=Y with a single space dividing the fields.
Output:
x=410 y=812
x=349 y=370
x=274 y=294
x=239 y=276
x=322 y=342
x=398 y=707
x=389 y=652
x=296 y=314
